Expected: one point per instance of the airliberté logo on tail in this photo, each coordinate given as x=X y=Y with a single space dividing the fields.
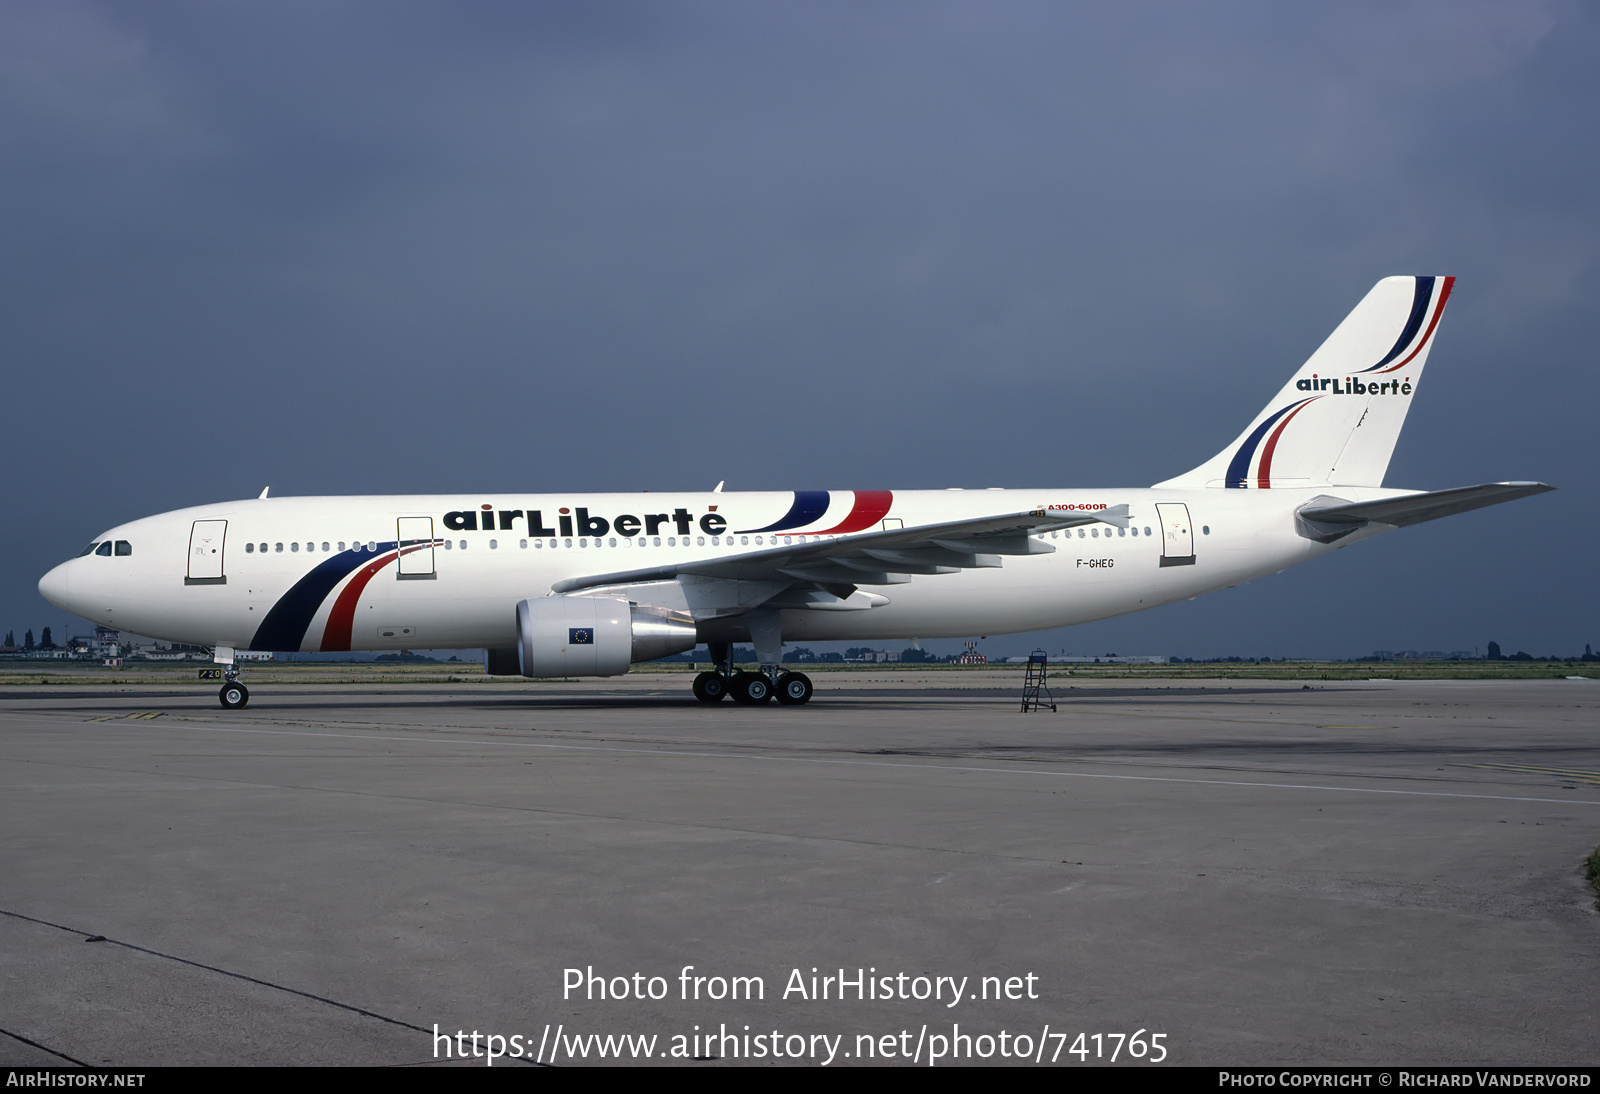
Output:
x=1353 y=386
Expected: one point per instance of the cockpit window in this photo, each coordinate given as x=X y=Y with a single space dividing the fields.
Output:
x=124 y=547
x=87 y=550
x=104 y=550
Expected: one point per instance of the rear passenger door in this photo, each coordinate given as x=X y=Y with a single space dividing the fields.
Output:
x=1177 y=534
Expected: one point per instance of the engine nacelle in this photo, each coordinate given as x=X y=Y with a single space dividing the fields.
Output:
x=570 y=635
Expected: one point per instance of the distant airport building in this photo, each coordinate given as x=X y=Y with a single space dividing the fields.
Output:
x=1104 y=659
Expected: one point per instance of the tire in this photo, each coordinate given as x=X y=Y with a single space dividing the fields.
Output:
x=233 y=696
x=752 y=688
x=710 y=687
x=794 y=689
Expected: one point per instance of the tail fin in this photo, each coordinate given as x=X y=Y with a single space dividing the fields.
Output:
x=1336 y=421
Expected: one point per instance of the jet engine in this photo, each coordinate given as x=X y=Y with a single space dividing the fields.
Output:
x=570 y=635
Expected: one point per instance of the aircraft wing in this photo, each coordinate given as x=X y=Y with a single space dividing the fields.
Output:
x=1416 y=508
x=837 y=564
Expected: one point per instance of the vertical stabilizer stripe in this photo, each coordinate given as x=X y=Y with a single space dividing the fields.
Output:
x=1444 y=294
x=1421 y=294
x=1239 y=466
x=1264 y=469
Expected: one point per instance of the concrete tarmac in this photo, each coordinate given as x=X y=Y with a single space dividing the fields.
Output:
x=1260 y=873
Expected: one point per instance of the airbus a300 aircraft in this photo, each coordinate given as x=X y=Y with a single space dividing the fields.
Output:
x=585 y=585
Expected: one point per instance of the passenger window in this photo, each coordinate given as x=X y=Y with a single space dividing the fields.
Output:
x=449 y=545
x=294 y=546
x=523 y=544
x=104 y=550
x=1122 y=532
x=341 y=545
x=494 y=545
x=324 y=546
x=611 y=542
x=249 y=548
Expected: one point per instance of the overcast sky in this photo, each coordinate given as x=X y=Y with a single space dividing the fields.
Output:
x=405 y=247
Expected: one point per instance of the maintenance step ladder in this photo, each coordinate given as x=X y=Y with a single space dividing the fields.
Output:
x=1035 y=692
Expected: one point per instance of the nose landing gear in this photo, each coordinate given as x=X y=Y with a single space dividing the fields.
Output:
x=233 y=695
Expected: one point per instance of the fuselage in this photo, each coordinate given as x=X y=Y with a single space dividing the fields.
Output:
x=446 y=571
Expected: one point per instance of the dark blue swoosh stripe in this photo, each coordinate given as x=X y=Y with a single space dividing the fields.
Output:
x=1419 y=311
x=285 y=626
x=808 y=506
x=1239 y=467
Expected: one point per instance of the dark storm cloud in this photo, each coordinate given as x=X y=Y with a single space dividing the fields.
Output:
x=405 y=247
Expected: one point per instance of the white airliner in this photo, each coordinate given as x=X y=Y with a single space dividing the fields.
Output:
x=586 y=584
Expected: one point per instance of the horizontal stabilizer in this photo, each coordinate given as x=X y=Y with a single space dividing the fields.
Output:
x=1416 y=508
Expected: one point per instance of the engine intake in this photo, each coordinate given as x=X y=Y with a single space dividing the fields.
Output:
x=570 y=635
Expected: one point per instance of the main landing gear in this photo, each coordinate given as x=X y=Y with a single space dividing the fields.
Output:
x=754 y=688
x=750 y=688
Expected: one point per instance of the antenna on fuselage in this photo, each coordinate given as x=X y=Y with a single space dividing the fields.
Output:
x=718 y=488
x=264 y=490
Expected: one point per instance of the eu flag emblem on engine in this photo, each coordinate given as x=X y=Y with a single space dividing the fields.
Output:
x=580 y=636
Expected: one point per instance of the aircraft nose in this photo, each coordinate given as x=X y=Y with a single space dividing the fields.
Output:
x=56 y=586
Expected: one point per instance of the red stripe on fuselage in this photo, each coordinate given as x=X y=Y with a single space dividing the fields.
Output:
x=869 y=509
x=341 y=620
